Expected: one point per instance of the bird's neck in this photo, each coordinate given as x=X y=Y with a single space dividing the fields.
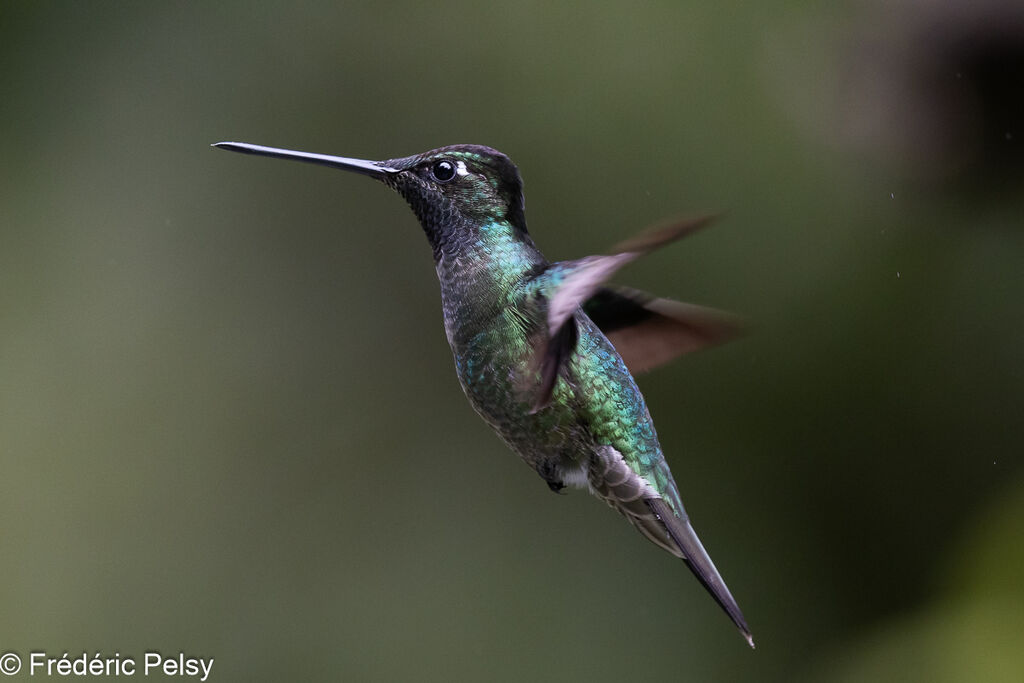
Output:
x=480 y=266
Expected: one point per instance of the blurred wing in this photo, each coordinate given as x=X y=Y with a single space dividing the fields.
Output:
x=566 y=285
x=648 y=331
x=573 y=282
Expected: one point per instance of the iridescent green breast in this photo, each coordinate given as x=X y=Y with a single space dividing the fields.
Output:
x=596 y=403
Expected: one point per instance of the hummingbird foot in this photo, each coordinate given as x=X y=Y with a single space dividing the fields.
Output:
x=549 y=473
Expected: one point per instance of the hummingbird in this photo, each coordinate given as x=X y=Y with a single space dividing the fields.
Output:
x=545 y=351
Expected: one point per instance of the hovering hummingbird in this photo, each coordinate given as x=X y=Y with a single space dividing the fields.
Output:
x=544 y=350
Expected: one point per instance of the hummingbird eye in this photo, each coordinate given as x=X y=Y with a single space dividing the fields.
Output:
x=443 y=170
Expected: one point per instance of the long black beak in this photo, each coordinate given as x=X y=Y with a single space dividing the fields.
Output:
x=374 y=169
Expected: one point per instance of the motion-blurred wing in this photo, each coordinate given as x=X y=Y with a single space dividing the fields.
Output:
x=648 y=331
x=566 y=285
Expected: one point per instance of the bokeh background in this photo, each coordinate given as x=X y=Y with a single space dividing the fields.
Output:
x=229 y=423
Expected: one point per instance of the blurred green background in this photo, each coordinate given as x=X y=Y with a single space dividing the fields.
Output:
x=230 y=425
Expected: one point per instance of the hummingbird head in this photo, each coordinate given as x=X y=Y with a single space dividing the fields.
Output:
x=455 y=191
x=477 y=183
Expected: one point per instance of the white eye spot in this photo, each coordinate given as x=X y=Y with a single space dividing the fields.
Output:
x=460 y=168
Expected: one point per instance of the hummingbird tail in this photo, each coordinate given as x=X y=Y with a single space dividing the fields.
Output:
x=699 y=562
x=614 y=481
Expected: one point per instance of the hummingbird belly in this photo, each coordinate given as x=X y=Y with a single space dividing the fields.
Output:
x=596 y=406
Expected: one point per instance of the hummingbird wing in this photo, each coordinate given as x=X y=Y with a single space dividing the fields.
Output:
x=566 y=285
x=649 y=331
x=576 y=281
